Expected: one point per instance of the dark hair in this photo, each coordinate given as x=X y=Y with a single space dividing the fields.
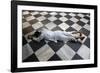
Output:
x=36 y=34
x=82 y=38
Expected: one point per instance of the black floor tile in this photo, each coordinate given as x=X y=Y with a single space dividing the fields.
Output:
x=85 y=31
x=31 y=58
x=74 y=45
x=87 y=42
x=54 y=58
x=36 y=45
x=77 y=57
x=24 y=41
x=55 y=46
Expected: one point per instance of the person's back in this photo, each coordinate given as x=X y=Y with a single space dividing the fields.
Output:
x=57 y=35
x=48 y=35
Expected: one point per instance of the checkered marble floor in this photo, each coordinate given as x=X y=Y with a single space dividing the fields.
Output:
x=33 y=51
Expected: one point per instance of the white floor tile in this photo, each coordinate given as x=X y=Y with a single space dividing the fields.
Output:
x=65 y=53
x=84 y=20
x=63 y=19
x=41 y=18
x=84 y=52
x=76 y=26
x=25 y=25
x=63 y=26
x=30 y=18
x=87 y=27
x=50 y=25
x=44 y=13
x=27 y=51
x=62 y=14
x=53 y=13
x=53 y=18
x=37 y=25
x=44 y=53
x=25 y=12
x=34 y=13
x=72 y=14
x=80 y=15
x=74 y=19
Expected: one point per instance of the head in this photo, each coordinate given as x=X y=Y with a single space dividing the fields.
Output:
x=36 y=34
x=78 y=35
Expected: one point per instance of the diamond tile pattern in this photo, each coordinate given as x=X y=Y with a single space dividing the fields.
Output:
x=65 y=52
x=33 y=51
x=44 y=53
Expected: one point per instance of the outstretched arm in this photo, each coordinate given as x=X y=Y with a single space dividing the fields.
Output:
x=75 y=32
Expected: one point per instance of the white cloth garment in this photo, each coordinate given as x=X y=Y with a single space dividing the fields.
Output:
x=55 y=35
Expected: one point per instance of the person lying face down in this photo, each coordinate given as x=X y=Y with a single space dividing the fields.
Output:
x=56 y=35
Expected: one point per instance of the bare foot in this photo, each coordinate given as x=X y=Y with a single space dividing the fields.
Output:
x=29 y=37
